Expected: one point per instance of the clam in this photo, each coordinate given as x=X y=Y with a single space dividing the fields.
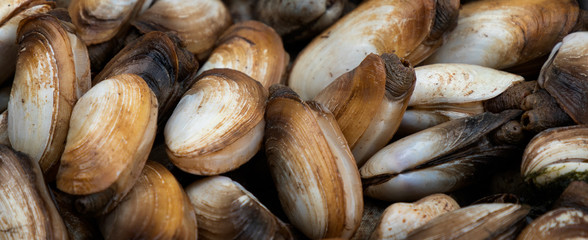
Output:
x=98 y=21
x=218 y=124
x=160 y=60
x=52 y=72
x=561 y=223
x=412 y=30
x=252 y=48
x=368 y=102
x=439 y=159
x=542 y=112
x=399 y=219
x=298 y=20
x=480 y=221
x=445 y=92
x=226 y=210
x=198 y=23
x=556 y=156
x=156 y=208
x=25 y=203
x=312 y=166
x=564 y=76
x=11 y=13
x=79 y=226
x=504 y=33
x=575 y=196
x=111 y=130
x=241 y=10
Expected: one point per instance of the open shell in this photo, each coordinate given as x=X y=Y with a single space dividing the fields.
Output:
x=11 y=14
x=557 y=156
x=218 y=124
x=156 y=208
x=25 y=204
x=98 y=21
x=564 y=76
x=252 y=48
x=198 y=23
x=112 y=128
x=311 y=164
x=375 y=26
x=226 y=210
x=369 y=102
x=504 y=33
x=53 y=71
x=427 y=162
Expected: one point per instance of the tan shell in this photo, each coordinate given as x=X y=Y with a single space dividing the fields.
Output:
x=11 y=13
x=198 y=23
x=156 y=208
x=312 y=166
x=504 y=33
x=53 y=71
x=26 y=208
x=112 y=128
x=98 y=21
x=561 y=223
x=556 y=155
x=218 y=124
x=369 y=101
x=564 y=76
x=399 y=219
x=252 y=48
x=410 y=29
x=480 y=221
x=225 y=210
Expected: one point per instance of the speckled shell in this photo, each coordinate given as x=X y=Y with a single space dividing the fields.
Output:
x=112 y=128
x=561 y=223
x=156 y=208
x=53 y=71
x=218 y=124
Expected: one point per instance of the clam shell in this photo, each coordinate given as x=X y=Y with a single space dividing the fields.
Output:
x=564 y=76
x=25 y=203
x=218 y=124
x=53 y=71
x=98 y=21
x=399 y=219
x=226 y=210
x=504 y=33
x=561 y=223
x=368 y=102
x=112 y=128
x=252 y=48
x=11 y=14
x=480 y=221
x=198 y=23
x=156 y=208
x=311 y=164
x=556 y=156
x=375 y=26
x=4 y=129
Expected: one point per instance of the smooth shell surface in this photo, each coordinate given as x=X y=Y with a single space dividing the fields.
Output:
x=198 y=23
x=26 y=208
x=561 y=223
x=311 y=164
x=218 y=124
x=156 y=208
x=556 y=154
x=111 y=131
x=252 y=48
x=53 y=71
x=226 y=210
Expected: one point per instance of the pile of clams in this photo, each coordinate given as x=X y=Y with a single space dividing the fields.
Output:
x=293 y=119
